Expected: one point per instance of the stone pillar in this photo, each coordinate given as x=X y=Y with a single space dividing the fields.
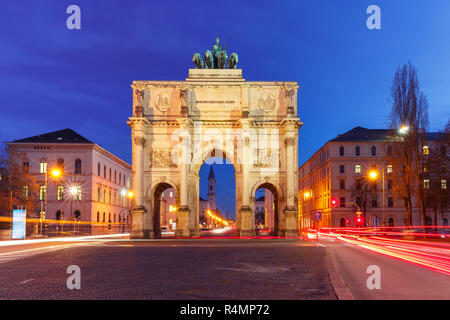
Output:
x=247 y=225
x=184 y=211
x=290 y=228
x=137 y=213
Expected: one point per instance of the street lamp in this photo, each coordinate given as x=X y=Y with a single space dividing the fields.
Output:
x=373 y=175
x=403 y=129
x=73 y=190
x=56 y=173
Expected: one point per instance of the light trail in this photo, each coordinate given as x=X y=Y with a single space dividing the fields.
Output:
x=64 y=239
x=428 y=254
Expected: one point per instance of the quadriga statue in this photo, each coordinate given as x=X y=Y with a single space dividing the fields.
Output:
x=198 y=61
x=232 y=62
x=222 y=59
x=209 y=59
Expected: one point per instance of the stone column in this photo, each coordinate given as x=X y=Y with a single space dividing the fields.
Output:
x=137 y=213
x=184 y=211
x=247 y=227
x=291 y=211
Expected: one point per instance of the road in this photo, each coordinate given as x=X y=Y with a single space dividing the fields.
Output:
x=203 y=269
x=172 y=269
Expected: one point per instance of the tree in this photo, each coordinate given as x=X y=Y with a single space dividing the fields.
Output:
x=363 y=189
x=18 y=188
x=410 y=109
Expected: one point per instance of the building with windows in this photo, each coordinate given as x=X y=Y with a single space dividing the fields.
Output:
x=335 y=181
x=79 y=181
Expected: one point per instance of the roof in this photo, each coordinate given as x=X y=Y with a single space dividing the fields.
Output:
x=201 y=199
x=376 y=135
x=364 y=134
x=262 y=198
x=60 y=136
x=211 y=173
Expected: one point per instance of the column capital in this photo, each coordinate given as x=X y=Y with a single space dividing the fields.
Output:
x=290 y=141
x=139 y=140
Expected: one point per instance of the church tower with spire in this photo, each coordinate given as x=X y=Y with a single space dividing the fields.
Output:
x=212 y=189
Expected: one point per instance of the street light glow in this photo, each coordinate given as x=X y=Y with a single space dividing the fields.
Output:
x=307 y=195
x=130 y=194
x=403 y=129
x=73 y=190
x=123 y=192
x=373 y=174
x=56 y=173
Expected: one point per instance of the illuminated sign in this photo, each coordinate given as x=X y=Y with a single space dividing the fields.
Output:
x=19 y=224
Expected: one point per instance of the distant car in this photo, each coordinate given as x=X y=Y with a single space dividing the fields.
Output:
x=164 y=228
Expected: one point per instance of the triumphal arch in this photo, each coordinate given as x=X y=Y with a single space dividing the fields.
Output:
x=215 y=113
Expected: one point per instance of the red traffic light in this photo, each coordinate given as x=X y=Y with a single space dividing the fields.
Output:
x=347 y=221
x=333 y=203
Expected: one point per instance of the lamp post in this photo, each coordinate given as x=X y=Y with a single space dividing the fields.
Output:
x=73 y=191
x=374 y=175
x=56 y=173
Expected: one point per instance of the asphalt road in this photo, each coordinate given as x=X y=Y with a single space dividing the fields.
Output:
x=399 y=280
x=171 y=269
x=203 y=269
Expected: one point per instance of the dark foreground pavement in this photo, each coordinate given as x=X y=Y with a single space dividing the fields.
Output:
x=174 y=269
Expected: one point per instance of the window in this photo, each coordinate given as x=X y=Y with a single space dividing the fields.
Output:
x=425 y=150
x=373 y=151
x=390 y=184
x=115 y=176
x=59 y=215
x=43 y=167
x=357 y=168
x=443 y=184
x=60 y=164
x=358 y=184
x=357 y=151
x=104 y=217
x=342 y=202
x=98 y=194
x=171 y=194
x=78 y=195
x=426 y=183
x=120 y=178
x=389 y=150
x=42 y=192
x=374 y=185
x=109 y=197
x=342 y=222
x=374 y=202
x=25 y=192
x=110 y=176
x=425 y=168
x=104 y=195
x=98 y=216
x=98 y=169
x=358 y=201
x=390 y=202
x=60 y=192
x=341 y=168
x=391 y=222
x=389 y=168
x=341 y=151
x=342 y=184
x=443 y=151
x=104 y=172
x=77 y=166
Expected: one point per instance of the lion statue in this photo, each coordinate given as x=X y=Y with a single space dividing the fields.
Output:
x=198 y=61
x=232 y=62
x=209 y=59
x=222 y=59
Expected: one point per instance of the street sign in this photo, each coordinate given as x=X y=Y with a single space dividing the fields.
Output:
x=317 y=215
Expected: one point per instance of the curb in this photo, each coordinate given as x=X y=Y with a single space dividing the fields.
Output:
x=340 y=289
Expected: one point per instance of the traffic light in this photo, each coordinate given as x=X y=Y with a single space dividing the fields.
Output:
x=334 y=203
x=347 y=221
x=359 y=219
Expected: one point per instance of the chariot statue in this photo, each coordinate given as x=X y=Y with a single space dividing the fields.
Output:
x=217 y=59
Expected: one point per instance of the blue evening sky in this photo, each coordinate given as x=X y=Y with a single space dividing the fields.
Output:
x=53 y=78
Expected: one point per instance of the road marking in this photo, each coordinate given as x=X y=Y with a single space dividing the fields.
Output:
x=26 y=281
x=320 y=245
